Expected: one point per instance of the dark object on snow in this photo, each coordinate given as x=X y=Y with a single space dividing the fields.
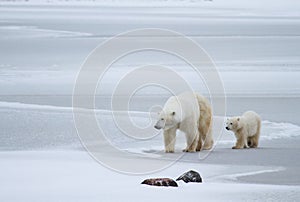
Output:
x=191 y=176
x=166 y=182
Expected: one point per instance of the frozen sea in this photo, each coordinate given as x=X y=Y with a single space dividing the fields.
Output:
x=256 y=49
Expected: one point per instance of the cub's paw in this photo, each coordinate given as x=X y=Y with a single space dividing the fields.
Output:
x=188 y=150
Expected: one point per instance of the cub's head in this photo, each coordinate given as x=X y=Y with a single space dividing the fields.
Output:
x=166 y=120
x=233 y=123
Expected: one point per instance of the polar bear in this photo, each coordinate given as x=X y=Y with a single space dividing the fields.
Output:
x=190 y=113
x=246 y=129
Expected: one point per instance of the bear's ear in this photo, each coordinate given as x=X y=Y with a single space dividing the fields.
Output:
x=238 y=119
x=173 y=113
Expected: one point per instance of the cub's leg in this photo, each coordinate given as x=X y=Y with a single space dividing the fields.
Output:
x=255 y=138
x=240 y=142
x=250 y=142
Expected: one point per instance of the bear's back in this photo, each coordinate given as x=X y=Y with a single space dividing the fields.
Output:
x=185 y=103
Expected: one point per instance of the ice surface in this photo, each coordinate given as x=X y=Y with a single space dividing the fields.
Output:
x=42 y=126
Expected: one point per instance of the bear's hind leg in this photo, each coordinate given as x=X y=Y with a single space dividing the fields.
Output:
x=199 y=145
x=255 y=138
x=192 y=142
x=200 y=142
x=208 y=141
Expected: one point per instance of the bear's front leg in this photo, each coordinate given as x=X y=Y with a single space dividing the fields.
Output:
x=170 y=139
x=239 y=143
x=246 y=142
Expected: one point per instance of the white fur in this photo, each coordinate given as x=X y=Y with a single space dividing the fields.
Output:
x=246 y=129
x=183 y=112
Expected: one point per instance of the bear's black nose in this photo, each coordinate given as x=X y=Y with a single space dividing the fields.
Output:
x=157 y=127
x=227 y=128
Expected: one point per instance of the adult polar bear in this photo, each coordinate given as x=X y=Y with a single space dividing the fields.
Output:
x=190 y=113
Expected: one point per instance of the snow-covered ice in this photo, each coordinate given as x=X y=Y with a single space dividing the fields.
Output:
x=74 y=176
x=43 y=159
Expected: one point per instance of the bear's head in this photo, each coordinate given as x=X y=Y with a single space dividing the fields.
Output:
x=166 y=120
x=233 y=123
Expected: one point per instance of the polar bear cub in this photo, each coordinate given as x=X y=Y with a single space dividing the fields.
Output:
x=246 y=129
x=190 y=113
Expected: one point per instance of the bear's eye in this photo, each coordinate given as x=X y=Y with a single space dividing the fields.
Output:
x=162 y=119
x=230 y=123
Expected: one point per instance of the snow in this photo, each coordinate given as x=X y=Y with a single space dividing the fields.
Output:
x=255 y=45
x=74 y=176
